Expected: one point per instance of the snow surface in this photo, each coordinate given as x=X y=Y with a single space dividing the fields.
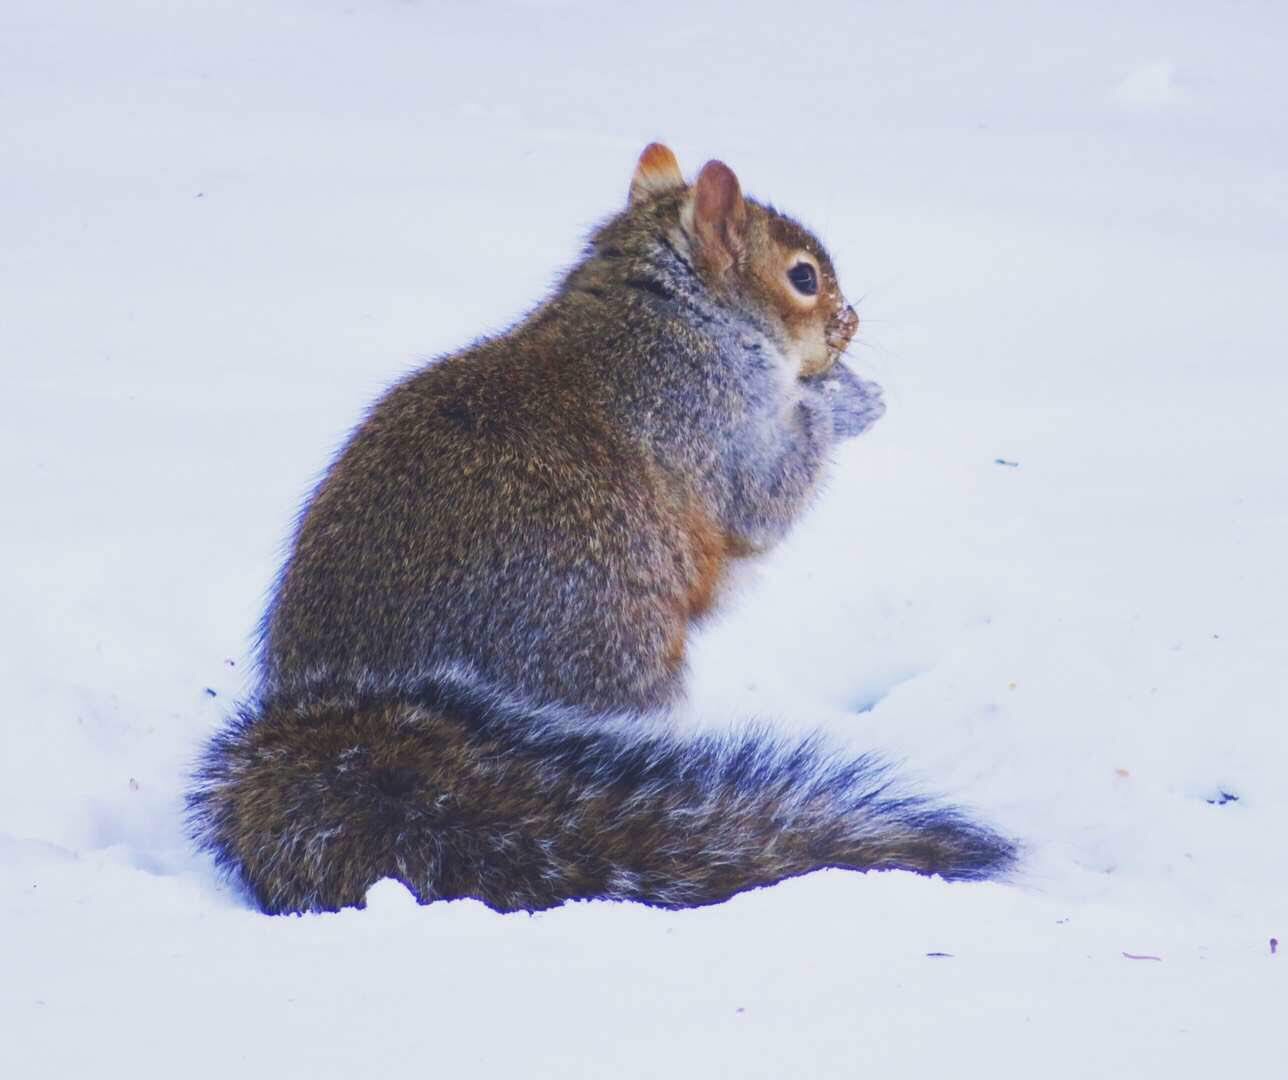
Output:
x=225 y=227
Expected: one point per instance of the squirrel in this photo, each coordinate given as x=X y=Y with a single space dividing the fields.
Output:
x=492 y=587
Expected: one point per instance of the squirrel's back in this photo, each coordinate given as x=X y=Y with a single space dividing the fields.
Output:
x=481 y=518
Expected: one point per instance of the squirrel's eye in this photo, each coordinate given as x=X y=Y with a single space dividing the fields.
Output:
x=804 y=277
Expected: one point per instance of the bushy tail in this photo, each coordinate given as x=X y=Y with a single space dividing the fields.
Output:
x=308 y=805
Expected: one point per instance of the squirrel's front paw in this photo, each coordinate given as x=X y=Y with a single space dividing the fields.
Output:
x=856 y=403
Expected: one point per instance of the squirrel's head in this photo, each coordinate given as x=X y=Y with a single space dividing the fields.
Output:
x=749 y=256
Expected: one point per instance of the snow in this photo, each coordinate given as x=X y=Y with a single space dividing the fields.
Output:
x=226 y=227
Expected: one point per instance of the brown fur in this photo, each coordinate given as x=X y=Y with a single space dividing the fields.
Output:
x=712 y=550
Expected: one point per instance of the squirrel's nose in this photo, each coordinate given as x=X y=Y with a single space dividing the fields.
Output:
x=844 y=325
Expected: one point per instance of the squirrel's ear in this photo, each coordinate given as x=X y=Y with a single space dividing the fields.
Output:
x=656 y=172
x=717 y=216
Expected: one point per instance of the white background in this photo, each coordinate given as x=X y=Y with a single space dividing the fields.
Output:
x=225 y=227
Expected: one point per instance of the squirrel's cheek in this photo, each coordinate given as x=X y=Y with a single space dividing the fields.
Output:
x=814 y=356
